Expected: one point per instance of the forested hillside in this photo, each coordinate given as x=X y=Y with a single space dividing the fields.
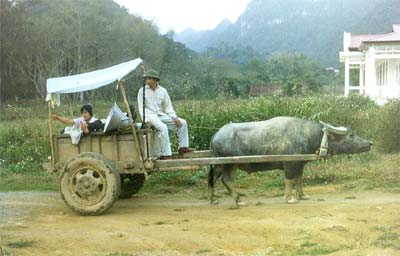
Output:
x=312 y=27
x=43 y=38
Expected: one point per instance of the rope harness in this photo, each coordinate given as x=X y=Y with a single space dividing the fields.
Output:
x=323 y=150
x=204 y=127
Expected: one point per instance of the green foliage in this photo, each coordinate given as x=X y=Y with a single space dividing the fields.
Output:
x=24 y=141
x=297 y=74
x=318 y=251
x=23 y=145
x=205 y=117
x=69 y=37
x=388 y=239
x=388 y=129
x=21 y=244
x=233 y=53
x=35 y=179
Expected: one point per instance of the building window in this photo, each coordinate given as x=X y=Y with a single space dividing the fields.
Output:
x=382 y=74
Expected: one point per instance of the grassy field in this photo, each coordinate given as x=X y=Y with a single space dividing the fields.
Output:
x=367 y=171
x=24 y=142
x=163 y=211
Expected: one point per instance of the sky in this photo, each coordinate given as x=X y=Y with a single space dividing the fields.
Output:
x=181 y=14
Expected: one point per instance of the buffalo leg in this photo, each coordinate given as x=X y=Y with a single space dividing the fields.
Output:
x=299 y=189
x=292 y=171
x=289 y=197
x=227 y=179
x=214 y=174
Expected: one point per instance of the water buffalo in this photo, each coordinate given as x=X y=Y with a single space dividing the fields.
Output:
x=278 y=136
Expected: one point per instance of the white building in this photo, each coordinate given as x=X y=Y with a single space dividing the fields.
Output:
x=377 y=57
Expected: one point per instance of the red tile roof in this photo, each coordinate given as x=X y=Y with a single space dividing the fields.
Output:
x=391 y=37
x=358 y=40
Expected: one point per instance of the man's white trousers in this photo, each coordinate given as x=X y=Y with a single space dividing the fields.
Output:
x=165 y=123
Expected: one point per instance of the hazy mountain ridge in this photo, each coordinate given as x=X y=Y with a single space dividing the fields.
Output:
x=312 y=27
x=196 y=40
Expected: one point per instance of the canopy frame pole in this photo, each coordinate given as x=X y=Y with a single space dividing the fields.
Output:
x=138 y=149
x=144 y=125
x=53 y=159
x=71 y=112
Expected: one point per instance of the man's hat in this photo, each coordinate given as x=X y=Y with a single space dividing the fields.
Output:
x=152 y=74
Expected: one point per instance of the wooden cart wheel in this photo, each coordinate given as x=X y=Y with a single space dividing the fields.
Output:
x=131 y=184
x=90 y=184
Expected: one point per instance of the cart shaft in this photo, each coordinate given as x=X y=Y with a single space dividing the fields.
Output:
x=162 y=164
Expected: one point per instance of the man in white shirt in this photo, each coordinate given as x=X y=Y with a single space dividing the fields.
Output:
x=160 y=114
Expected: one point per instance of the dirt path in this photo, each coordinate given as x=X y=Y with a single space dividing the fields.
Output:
x=365 y=223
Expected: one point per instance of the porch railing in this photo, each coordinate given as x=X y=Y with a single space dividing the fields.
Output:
x=384 y=91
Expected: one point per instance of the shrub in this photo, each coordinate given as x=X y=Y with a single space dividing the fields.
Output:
x=388 y=132
x=24 y=145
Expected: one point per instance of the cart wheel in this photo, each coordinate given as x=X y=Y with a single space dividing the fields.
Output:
x=90 y=184
x=131 y=184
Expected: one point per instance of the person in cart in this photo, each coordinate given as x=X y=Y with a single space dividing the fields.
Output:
x=80 y=122
x=160 y=114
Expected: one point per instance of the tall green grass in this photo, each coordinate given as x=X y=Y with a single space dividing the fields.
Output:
x=24 y=145
x=24 y=140
x=387 y=127
x=379 y=124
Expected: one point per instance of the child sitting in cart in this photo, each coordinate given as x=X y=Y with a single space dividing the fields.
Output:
x=80 y=122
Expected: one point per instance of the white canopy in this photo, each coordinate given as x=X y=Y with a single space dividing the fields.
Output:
x=91 y=80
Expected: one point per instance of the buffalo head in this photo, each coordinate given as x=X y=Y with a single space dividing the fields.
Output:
x=342 y=140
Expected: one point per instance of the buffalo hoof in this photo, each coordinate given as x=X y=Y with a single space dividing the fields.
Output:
x=304 y=197
x=214 y=201
x=292 y=201
x=242 y=203
x=234 y=206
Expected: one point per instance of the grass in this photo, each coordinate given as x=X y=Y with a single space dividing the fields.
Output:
x=313 y=248
x=20 y=244
x=24 y=143
x=4 y=252
x=389 y=237
x=160 y=222
x=203 y=251
x=358 y=172
x=142 y=253
x=119 y=254
x=370 y=171
x=317 y=251
x=37 y=181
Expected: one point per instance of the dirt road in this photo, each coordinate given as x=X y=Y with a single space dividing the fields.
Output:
x=364 y=223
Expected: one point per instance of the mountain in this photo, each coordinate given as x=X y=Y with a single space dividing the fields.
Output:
x=199 y=40
x=312 y=27
x=189 y=36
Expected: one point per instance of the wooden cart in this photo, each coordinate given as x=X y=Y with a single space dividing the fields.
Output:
x=105 y=167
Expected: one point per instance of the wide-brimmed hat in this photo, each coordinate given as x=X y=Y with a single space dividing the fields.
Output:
x=152 y=74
